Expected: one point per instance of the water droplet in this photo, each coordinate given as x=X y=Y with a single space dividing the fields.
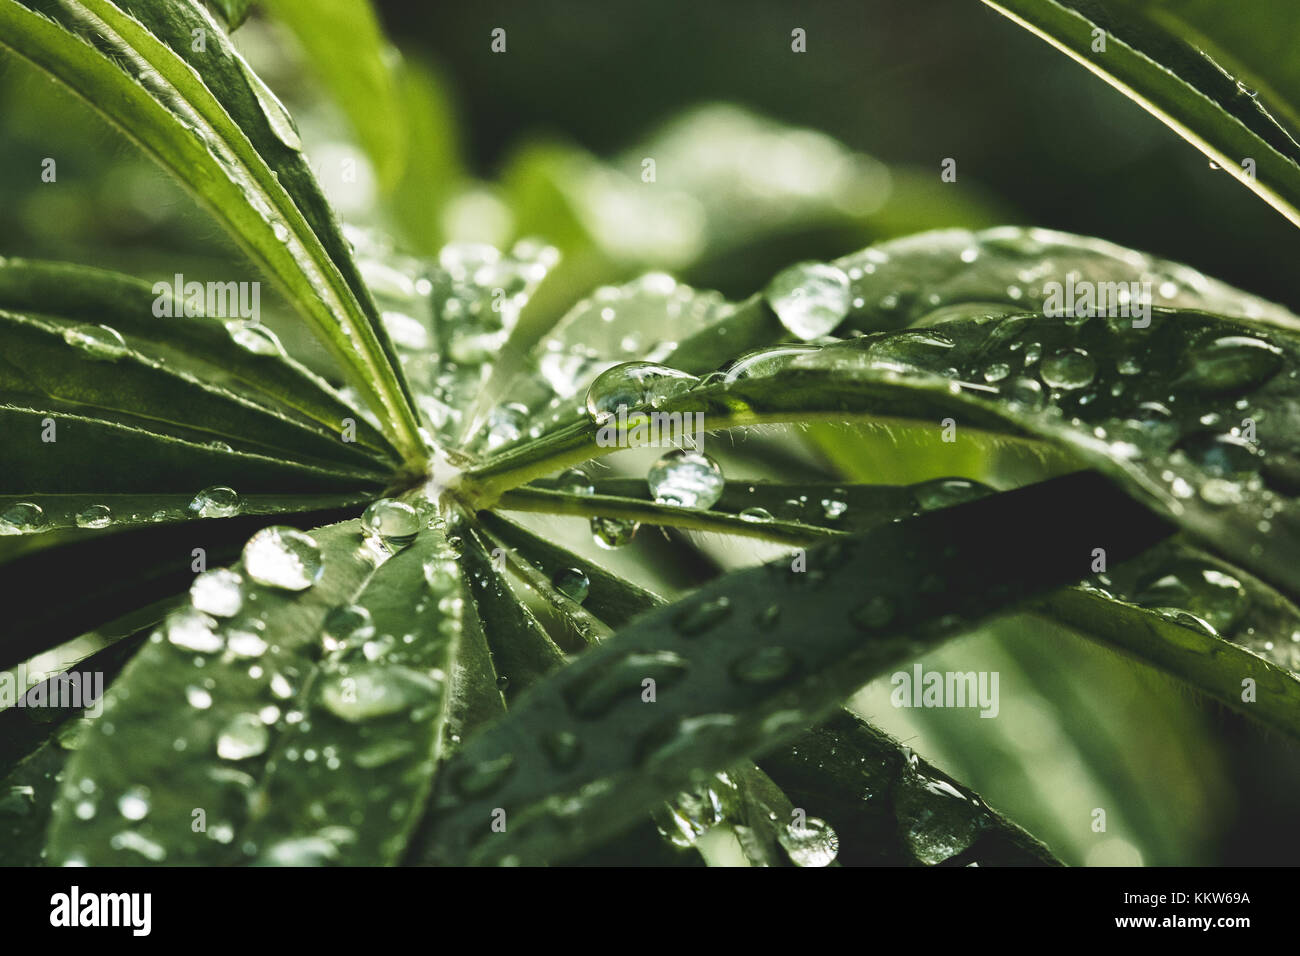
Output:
x=218 y=592
x=377 y=691
x=348 y=624
x=813 y=844
x=687 y=479
x=244 y=642
x=1025 y=392
x=572 y=583
x=612 y=533
x=281 y=557
x=198 y=697
x=394 y=523
x=575 y=482
x=1068 y=369
x=243 y=737
x=99 y=342
x=634 y=385
x=615 y=680
x=938 y=821
x=254 y=337
x=95 y=516
x=763 y=665
x=1219 y=455
x=764 y=362
x=216 y=502
x=1231 y=363
x=756 y=515
x=699 y=618
x=22 y=517
x=810 y=299
x=134 y=803
x=946 y=492
x=191 y=629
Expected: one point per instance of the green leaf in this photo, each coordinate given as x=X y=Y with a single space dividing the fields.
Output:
x=90 y=370
x=205 y=728
x=81 y=582
x=891 y=808
x=226 y=354
x=1177 y=83
x=750 y=660
x=26 y=796
x=206 y=117
x=1201 y=620
x=337 y=32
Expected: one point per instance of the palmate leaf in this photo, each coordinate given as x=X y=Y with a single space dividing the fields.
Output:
x=735 y=677
x=205 y=116
x=230 y=355
x=1179 y=83
x=943 y=815
x=284 y=732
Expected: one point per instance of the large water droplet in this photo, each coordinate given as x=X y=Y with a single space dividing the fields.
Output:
x=634 y=385
x=217 y=501
x=393 y=523
x=254 y=337
x=22 y=517
x=810 y=299
x=687 y=479
x=612 y=533
x=100 y=342
x=764 y=362
x=218 y=592
x=281 y=557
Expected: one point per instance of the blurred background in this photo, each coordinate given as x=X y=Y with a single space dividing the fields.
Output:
x=765 y=157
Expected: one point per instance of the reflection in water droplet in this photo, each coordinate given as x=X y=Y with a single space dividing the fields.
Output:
x=243 y=737
x=393 y=523
x=686 y=479
x=1068 y=369
x=612 y=533
x=282 y=557
x=95 y=516
x=22 y=517
x=632 y=386
x=572 y=583
x=810 y=299
x=100 y=342
x=814 y=843
x=217 y=501
x=218 y=592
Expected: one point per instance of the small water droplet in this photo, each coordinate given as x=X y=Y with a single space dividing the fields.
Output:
x=95 y=516
x=1068 y=369
x=191 y=629
x=572 y=583
x=134 y=803
x=612 y=533
x=756 y=515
